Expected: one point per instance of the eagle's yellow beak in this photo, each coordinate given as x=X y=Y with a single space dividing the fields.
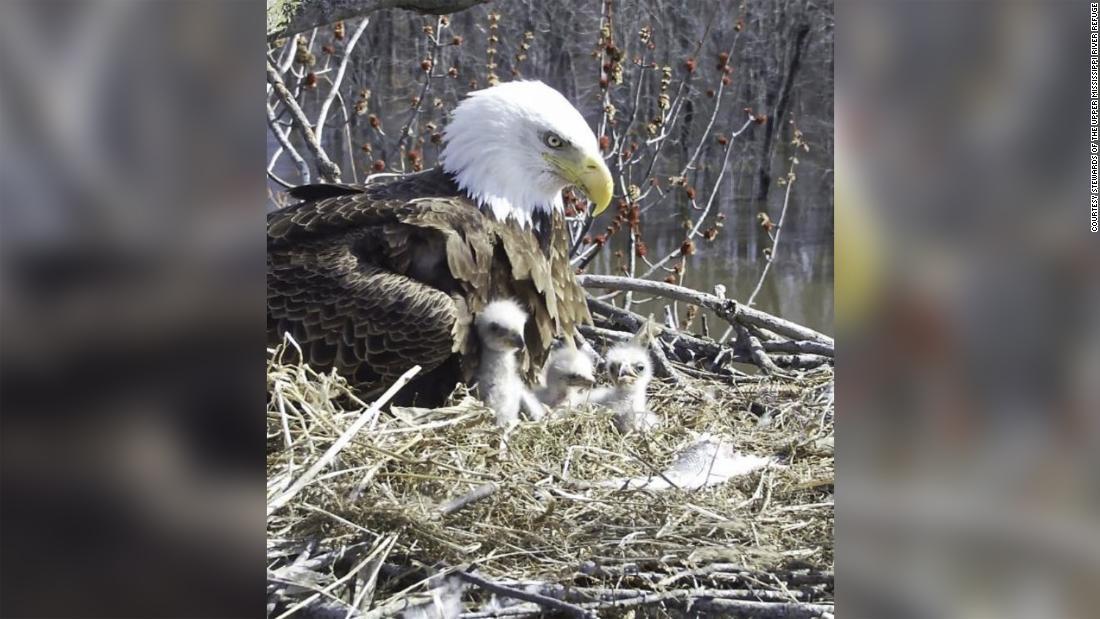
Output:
x=595 y=179
x=588 y=173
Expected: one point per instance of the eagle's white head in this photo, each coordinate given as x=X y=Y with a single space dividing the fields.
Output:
x=514 y=147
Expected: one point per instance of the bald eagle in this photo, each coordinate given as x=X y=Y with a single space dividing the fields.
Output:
x=373 y=279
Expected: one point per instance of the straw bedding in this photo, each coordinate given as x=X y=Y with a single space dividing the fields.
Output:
x=441 y=513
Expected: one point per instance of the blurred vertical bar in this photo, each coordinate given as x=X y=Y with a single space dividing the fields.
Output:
x=131 y=308
x=968 y=385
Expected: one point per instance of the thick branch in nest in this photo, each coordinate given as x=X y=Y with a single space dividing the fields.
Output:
x=700 y=603
x=565 y=608
x=756 y=349
x=687 y=348
x=732 y=311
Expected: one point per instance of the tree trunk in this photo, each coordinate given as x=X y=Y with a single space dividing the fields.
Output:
x=775 y=116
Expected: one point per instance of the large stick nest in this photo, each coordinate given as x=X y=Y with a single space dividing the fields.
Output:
x=524 y=510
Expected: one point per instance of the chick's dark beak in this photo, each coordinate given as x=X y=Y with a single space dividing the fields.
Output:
x=517 y=340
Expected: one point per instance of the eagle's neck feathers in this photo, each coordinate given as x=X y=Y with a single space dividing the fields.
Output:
x=503 y=187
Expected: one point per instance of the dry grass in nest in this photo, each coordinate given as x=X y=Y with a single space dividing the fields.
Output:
x=547 y=521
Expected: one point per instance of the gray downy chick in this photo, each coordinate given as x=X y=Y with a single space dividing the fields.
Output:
x=630 y=370
x=569 y=376
x=500 y=330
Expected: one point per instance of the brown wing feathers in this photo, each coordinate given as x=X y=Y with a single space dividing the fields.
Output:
x=347 y=313
x=374 y=285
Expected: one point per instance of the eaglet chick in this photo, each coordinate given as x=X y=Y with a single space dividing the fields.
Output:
x=630 y=370
x=500 y=330
x=569 y=376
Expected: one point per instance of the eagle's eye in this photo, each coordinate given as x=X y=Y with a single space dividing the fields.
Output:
x=639 y=366
x=553 y=140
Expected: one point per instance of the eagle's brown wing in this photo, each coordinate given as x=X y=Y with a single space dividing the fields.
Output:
x=542 y=281
x=572 y=307
x=373 y=287
x=372 y=283
x=368 y=322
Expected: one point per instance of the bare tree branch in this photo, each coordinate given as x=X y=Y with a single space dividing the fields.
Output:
x=710 y=201
x=564 y=608
x=775 y=239
x=728 y=309
x=284 y=140
x=759 y=355
x=426 y=88
x=323 y=114
x=328 y=170
x=280 y=181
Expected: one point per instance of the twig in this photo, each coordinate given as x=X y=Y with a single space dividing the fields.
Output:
x=765 y=610
x=624 y=168
x=454 y=505
x=756 y=350
x=282 y=183
x=775 y=239
x=606 y=334
x=347 y=138
x=383 y=546
x=288 y=58
x=710 y=201
x=433 y=58
x=668 y=121
x=284 y=141
x=597 y=594
x=670 y=320
x=328 y=170
x=542 y=600
x=705 y=599
x=662 y=365
x=798 y=347
x=320 y=124
x=341 y=442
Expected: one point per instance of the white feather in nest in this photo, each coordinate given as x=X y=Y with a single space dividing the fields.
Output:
x=706 y=461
